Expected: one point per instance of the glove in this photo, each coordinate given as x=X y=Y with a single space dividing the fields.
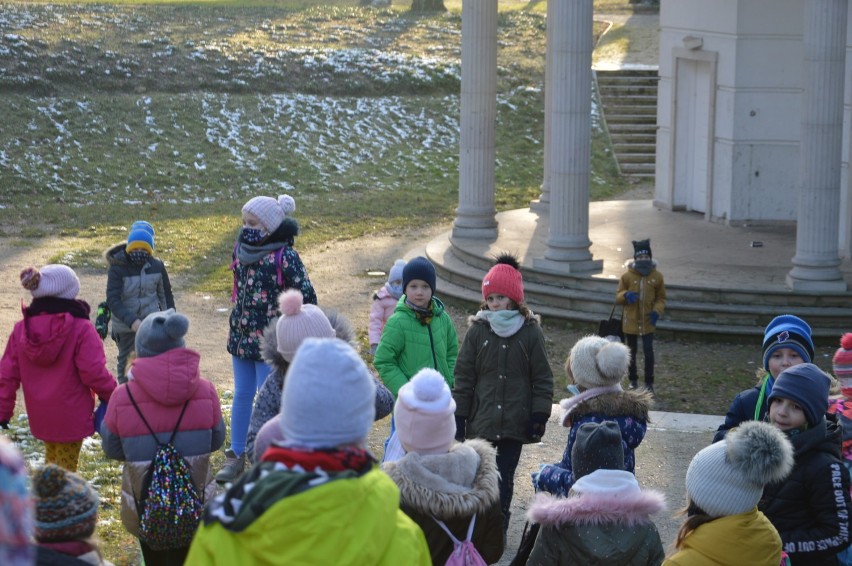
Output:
x=4 y=425
x=102 y=320
x=655 y=316
x=535 y=476
x=536 y=426
x=631 y=297
x=373 y=348
x=461 y=425
x=100 y=411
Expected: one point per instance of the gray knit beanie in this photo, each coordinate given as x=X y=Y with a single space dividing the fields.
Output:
x=161 y=332
x=727 y=477
x=597 y=446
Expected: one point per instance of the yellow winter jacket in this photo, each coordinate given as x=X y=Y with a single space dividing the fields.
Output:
x=652 y=297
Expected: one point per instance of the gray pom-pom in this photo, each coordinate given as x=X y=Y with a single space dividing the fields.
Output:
x=760 y=451
x=176 y=326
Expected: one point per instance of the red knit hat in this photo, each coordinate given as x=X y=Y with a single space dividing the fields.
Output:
x=843 y=357
x=504 y=279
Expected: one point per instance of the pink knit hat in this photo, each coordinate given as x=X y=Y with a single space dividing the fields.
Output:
x=843 y=357
x=269 y=211
x=52 y=280
x=297 y=322
x=425 y=414
x=504 y=279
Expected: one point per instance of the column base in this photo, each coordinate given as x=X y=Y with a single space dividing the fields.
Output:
x=475 y=233
x=809 y=285
x=580 y=267
x=540 y=206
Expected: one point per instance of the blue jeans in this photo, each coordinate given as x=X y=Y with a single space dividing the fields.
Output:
x=249 y=376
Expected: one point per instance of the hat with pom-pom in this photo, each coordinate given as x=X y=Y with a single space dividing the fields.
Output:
x=597 y=446
x=787 y=331
x=808 y=386
x=504 y=279
x=329 y=396
x=271 y=212
x=297 y=322
x=597 y=362
x=727 y=477
x=66 y=505
x=419 y=268
x=842 y=360
x=161 y=332
x=54 y=280
x=425 y=414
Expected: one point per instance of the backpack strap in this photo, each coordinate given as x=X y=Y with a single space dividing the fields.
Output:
x=233 y=267
x=151 y=430
x=451 y=535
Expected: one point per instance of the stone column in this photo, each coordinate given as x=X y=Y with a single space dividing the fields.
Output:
x=475 y=215
x=816 y=265
x=542 y=205
x=570 y=31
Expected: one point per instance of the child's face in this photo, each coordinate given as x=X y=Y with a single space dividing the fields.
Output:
x=497 y=302
x=419 y=293
x=252 y=221
x=641 y=257
x=783 y=358
x=786 y=414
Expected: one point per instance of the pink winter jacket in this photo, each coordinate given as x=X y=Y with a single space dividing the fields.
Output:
x=60 y=362
x=380 y=311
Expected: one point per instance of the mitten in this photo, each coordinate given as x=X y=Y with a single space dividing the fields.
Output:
x=536 y=426
x=631 y=297
x=535 y=475
x=461 y=425
x=655 y=316
x=102 y=320
x=100 y=411
x=4 y=425
x=373 y=348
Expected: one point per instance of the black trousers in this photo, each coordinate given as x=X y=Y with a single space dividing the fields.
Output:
x=647 y=354
x=508 y=456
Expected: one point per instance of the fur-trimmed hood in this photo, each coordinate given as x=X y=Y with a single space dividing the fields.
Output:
x=627 y=505
x=117 y=254
x=634 y=404
x=269 y=349
x=461 y=482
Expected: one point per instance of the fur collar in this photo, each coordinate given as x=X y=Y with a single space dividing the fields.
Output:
x=430 y=484
x=630 y=508
x=634 y=404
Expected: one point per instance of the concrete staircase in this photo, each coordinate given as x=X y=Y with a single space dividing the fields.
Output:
x=629 y=102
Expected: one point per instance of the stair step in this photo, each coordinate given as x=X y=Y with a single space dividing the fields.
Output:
x=634 y=119
x=633 y=147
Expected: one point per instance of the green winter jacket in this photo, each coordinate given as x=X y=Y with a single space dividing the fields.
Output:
x=501 y=382
x=652 y=297
x=407 y=346
x=346 y=522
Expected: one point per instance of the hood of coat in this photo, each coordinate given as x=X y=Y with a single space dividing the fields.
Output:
x=825 y=436
x=461 y=482
x=117 y=254
x=171 y=377
x=628 y=403
x=44 y=337
x=269 y=348
x=609 y=497
x=631 y=264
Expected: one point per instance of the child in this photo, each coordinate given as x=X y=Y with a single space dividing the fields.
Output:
x=811 y=507
x=842 y=407
x=503 y=383
x=597 y=366
x=66 y=513
x=16 y=508
x=786 y=342
x=419 y=334
x=264 y=265
x=137 y=285
x=280 y=342
x=164 y=383
x=643 y=292
x=319 y=498
x=606 y=517
x=56 y=355
x=724 y=482
x=440 y=480
x=384 y=303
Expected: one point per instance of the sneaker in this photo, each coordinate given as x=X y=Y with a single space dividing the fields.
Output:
x=234 y=466
x=634 y=384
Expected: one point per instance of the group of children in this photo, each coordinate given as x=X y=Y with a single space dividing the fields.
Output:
x=773 y=479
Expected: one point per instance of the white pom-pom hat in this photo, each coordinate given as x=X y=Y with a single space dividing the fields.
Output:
x=297 y=322
x=271 y=212
x=425 y=414
x=597 y=362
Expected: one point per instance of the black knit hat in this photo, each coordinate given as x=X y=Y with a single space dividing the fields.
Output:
x=642 y=247
x=597 y=446
x=418 y=268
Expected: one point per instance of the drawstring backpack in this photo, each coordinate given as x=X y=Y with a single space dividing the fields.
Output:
x=464 y=553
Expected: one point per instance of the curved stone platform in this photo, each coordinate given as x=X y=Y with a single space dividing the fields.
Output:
x=721 y=281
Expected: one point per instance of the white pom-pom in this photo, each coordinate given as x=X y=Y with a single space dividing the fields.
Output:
x=428 y=385
x=760 y=452
x=290 y=302
x=613 y=359
x=287 y=204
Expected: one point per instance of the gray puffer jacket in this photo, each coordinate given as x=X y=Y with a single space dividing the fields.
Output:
x=135 y=291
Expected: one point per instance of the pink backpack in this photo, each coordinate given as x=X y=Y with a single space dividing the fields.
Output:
x=464 y=553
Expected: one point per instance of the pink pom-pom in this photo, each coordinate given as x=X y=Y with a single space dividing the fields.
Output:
x=846 y=341
x=290 y=302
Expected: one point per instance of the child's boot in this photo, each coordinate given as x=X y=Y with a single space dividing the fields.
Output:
x=234 y=466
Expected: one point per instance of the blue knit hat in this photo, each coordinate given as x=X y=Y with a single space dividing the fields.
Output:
x=419 y=268
x=808 y=386
x=140 y=237
x=787 y=331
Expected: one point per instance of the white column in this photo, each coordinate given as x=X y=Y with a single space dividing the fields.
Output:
x=570 y=29
x=543 y=203
x=816 y=265
x=475 y=215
